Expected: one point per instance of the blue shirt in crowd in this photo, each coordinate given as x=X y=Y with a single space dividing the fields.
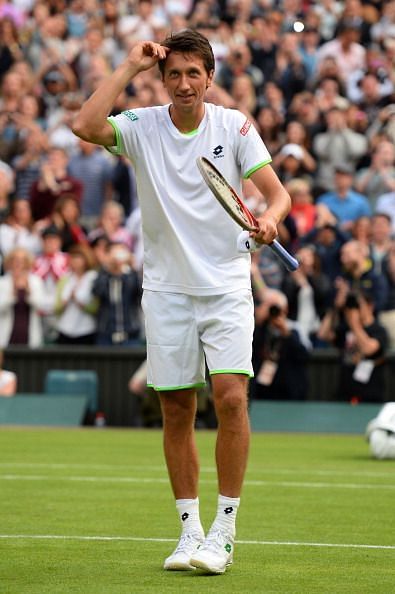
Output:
x=350 y=208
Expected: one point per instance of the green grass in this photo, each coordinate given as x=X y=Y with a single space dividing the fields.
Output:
x=301 y=492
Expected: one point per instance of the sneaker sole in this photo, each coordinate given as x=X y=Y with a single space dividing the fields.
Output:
x=179 y=567
x=198 y=564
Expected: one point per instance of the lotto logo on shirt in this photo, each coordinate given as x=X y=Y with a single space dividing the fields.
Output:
x=131 y=115
x=245 y=127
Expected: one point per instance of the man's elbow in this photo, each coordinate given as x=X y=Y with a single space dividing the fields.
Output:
x=80 y=129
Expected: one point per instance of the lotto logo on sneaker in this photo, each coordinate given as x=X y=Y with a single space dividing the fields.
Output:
x=228 y=510
x=228 y=548
x=184 y=516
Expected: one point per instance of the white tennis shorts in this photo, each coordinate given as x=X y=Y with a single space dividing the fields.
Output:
x=186 y=332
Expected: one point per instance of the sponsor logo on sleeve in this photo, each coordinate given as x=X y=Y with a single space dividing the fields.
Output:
x=131 y=115
x=245 y=127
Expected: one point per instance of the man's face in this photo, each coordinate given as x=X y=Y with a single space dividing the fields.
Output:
x=186 y=80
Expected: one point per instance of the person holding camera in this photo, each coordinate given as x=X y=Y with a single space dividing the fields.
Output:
x=280 y=350
x=352 y=326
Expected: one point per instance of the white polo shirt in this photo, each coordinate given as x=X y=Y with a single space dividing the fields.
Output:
x=190 y=242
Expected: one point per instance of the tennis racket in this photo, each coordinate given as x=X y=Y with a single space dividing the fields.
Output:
x=231 y=202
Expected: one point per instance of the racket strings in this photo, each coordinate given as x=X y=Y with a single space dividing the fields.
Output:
x=228 y=196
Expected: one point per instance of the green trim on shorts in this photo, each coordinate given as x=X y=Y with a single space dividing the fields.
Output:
x=253 y=169
x=118 y=149
x=168 y=389
x=234 y=371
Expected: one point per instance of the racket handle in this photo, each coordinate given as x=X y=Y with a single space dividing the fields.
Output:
x=289 y=261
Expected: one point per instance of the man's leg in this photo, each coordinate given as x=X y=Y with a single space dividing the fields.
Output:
x=179 y=411
x=233 y=438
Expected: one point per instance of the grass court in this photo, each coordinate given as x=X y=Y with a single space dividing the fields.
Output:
x=90 y=511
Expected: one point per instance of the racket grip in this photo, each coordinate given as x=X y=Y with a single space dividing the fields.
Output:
x=289 y=261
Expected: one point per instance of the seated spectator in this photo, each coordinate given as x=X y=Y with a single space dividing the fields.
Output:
x=269 y=125
x=22 y=299
x=380 y=433
x=112 y=224
x=75 y=305
x=379 y=177
x=308 y=292
x=66 y=217
x=345 y=203
x=352 y=327
x=18 y=229
x=279 y=354
x=53 y=183
x=8 y=380
x=118 y=289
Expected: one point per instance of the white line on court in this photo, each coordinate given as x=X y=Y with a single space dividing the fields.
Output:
x=145 y=480
x=240 y=542
x=208 y=469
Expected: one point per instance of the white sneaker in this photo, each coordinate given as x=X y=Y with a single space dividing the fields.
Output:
x=215 y=554
x=187 y=546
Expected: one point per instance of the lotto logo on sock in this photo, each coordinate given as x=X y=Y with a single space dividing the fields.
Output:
x=228 y=510
x=184 y=516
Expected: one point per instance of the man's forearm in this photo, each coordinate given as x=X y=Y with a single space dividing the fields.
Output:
x=96 y=109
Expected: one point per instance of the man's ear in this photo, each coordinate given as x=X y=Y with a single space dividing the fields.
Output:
x=210 y=79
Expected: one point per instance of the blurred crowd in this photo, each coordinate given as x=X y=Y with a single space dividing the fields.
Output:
x=318 y=81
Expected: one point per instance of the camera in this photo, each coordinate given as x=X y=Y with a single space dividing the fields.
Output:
x=352 y=301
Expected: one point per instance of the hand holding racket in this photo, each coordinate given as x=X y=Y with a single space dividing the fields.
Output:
x=231 y=202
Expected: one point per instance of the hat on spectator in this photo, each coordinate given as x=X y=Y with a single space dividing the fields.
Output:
x=344 y=168
x=292 y=150
x=50 y=230
x=53 y=76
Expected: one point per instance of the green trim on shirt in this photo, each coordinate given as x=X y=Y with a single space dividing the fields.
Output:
x=253 y=169
x=191 y=133
x=118 y=149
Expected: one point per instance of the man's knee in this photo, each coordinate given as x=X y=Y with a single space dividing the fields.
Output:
x=178 y=408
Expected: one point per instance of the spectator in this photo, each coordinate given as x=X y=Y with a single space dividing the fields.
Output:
x=291 y=161
x=238 y=63
x=352 y=327
x=10 y=47
x=380 y=240
x=112 y=224
x=53 y=183
x=387 y=315
x=358 y=276
x=8 y=380
x=18 y=229
x=50 y=266
x=338 y=145
x=269 y=124
x=345 y=48
x=303 y=210
x=346 y=204
x=361 y=229
x=379 y=177
x=75 y=305
x=66 y=218
x=28 y=163
x=22 y=298
x=118 y=289
x=6 y=188
x=279 y=354
x=94 y=171
x=308 y=293
x=386 y=205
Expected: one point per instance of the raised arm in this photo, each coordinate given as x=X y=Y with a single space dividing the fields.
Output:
x=91 y=123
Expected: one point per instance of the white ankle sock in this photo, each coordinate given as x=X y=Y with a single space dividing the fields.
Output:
x=226 y=514
x=188 y=510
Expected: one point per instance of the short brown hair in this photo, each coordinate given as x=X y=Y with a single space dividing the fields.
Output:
x=189 y=41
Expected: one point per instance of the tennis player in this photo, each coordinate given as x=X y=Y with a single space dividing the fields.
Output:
x=197 y=293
